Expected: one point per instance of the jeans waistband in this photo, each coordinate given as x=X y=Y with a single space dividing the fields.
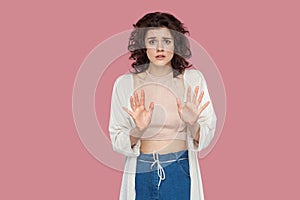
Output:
x=164 y=157
x=158 y=160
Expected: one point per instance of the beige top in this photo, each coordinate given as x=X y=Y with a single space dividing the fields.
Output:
x=162 y=90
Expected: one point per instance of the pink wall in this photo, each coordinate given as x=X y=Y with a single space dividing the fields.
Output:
x=255 y=45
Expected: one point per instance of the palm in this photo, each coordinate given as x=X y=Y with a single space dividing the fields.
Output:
x=190 y=112
x=141 y=116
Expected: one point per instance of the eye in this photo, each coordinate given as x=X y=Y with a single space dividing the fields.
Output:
x=151 y=42
x=168 y=41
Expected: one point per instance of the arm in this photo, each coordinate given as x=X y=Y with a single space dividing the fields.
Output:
x=120 y=126
x=202 y=132
x=135 y=135
x=195 y=132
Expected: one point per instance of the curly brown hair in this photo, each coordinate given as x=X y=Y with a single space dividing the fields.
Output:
x=155 y=20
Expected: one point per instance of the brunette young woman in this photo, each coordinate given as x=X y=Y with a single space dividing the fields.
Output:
x=161 y=114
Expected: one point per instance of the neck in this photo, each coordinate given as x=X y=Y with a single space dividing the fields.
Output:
x=159 y=70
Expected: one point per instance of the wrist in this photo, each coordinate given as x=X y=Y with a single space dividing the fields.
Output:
x=194 y=125
x=136 y=132
x=194 y=129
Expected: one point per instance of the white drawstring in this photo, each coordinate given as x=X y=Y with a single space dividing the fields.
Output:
x=160 y=169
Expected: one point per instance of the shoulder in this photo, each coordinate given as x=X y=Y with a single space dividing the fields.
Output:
x=123 y=86
x=124 y=80
x=193 y=75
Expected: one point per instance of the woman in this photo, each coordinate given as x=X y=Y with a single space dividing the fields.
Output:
x=161 y=114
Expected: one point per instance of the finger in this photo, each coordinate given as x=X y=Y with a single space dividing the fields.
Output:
x=200 y=98
x=142 y=102
x=203 y=107
x=136 y=98
x=132 y=104
x=151 y=107
x=128 y=111
x=178 y=103
x=189 y=94
x=195 y=94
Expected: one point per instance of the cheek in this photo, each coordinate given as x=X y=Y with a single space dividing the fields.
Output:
x=150 y=52
x=170 y=54
x=170 y=50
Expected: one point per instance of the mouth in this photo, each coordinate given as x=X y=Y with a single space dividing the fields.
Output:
x=160 y=57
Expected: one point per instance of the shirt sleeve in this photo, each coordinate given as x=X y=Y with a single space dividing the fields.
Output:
x=207 y=119
x=119 y=123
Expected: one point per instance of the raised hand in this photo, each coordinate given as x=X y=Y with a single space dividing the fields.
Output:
x=140 y=115
x=190 y=112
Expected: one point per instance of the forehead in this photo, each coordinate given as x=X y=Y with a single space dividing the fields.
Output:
x=158 y=32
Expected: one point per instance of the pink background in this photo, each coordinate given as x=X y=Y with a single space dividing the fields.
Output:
x=255 y=44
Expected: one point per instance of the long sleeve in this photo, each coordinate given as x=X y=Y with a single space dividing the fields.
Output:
x=120 y=123
x=207 y=119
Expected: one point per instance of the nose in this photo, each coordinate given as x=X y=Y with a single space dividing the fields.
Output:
x=159 y=46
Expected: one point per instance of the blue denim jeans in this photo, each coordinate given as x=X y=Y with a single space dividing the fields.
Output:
x=163 y=176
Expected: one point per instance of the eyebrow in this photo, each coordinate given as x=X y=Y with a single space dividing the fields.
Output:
x=150 y=38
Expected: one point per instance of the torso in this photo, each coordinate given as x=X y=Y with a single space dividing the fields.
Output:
x=163 y=146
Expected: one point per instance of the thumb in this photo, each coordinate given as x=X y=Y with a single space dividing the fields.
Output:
x=179 y=106
x=151 y=107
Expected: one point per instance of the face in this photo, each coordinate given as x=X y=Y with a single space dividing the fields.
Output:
x=160 y=46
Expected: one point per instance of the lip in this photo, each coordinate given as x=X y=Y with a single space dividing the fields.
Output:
x=160 y=57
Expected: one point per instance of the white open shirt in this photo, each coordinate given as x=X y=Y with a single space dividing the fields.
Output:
x=121 y=123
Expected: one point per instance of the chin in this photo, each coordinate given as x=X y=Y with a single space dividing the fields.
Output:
x=162 y=63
